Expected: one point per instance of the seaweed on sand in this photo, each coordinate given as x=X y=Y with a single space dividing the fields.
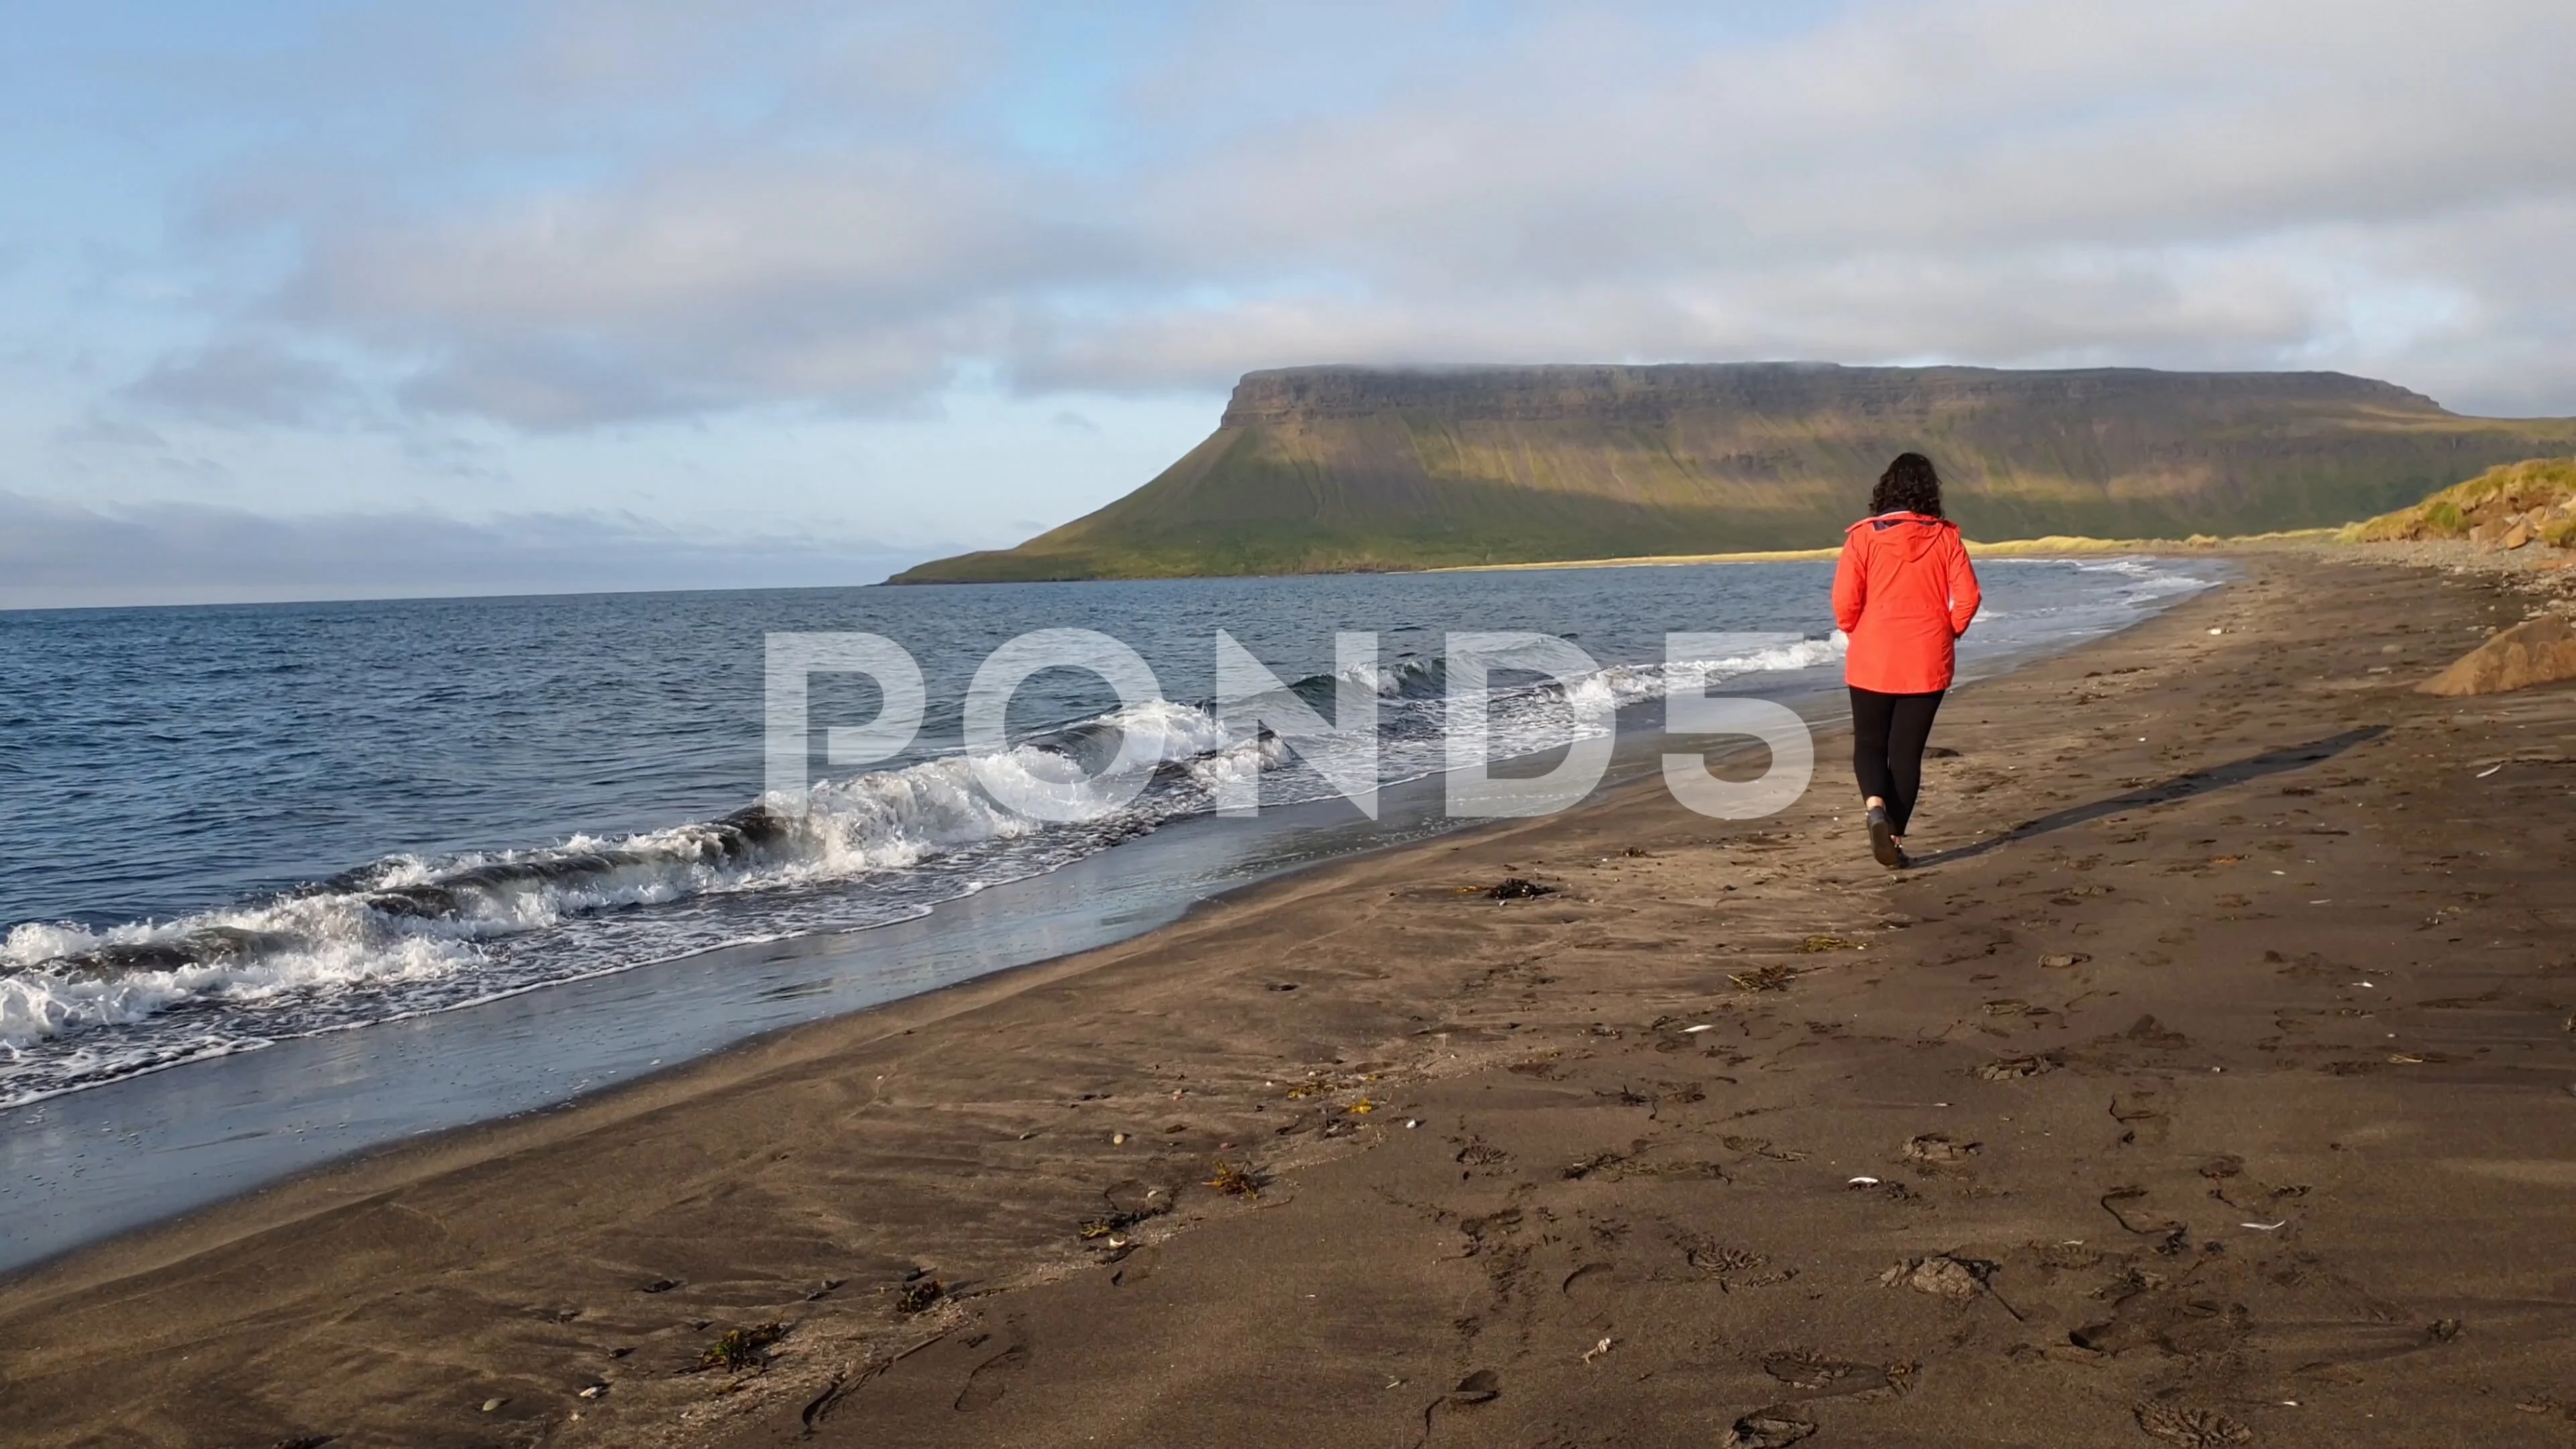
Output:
x=741 y=1348
x=1236 y=1181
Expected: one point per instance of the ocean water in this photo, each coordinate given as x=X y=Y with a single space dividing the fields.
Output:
x=224 y=828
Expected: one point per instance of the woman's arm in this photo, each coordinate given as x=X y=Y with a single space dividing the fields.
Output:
x=1965 y=596
x=1851 y=585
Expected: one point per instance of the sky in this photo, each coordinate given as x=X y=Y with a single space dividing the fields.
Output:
x=333 y=299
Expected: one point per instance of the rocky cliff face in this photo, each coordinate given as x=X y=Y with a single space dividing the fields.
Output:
x=1318 y=469
x=1659 y=394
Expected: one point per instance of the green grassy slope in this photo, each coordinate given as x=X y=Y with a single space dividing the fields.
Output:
x=1339 y=469
x=2541 y=492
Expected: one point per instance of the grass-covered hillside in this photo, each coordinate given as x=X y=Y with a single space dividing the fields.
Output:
x=2512 y=506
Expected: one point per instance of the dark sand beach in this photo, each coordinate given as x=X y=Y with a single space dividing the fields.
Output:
x=2212 y=1082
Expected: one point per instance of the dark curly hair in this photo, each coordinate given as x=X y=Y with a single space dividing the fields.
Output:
x=1909 y=485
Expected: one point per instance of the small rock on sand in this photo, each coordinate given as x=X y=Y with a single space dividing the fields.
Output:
x=1940 y=1275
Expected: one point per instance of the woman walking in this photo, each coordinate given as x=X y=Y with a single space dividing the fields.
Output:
x=1904 y=592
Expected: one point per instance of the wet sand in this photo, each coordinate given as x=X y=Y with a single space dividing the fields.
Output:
x=2210 y=1083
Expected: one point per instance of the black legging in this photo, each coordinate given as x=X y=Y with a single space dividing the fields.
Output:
x=1888 y=731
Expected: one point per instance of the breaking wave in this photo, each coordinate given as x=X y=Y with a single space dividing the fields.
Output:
x=409 y=934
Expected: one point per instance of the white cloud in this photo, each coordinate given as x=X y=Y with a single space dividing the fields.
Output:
x=2194 y=184
x=245 y=381
x=697 y=277
x=855 y=280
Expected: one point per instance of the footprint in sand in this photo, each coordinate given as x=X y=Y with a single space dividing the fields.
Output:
x=1481 y=1387
x=2010 y=1069
x=1773 y=1428
x=2151 y=1034
x=1815 y=1376
x=1588 y=1282
x=2143 y=1117
x=1939 y=1149
x=984 y=1386
x=2198 y=1427
x=2129 y=1207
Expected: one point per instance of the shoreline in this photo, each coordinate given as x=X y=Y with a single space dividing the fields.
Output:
x=1036 y=927
x=2046 y=546
x=969 y=1131
x=2049 y=546
x=82 y=1166
x=1039 y=934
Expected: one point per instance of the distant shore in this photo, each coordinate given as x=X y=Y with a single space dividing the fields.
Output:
x=2053 y=546
x=2209 y=1079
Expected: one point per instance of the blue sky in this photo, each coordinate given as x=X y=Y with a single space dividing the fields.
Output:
x=306 y=300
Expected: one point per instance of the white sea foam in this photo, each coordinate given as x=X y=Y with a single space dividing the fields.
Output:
x=406 y=934
x=408 y=920
x=2148 y=577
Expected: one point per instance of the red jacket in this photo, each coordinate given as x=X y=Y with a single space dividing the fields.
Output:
x=1904 y=593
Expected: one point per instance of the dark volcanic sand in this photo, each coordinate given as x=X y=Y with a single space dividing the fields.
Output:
x=2153 y=1163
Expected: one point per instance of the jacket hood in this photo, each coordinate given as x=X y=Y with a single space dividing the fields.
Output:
x=1916 y=534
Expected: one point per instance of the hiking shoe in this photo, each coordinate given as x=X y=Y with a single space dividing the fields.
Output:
x=1882 y=839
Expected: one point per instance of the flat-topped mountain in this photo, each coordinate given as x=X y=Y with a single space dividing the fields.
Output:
x=1331 y=469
